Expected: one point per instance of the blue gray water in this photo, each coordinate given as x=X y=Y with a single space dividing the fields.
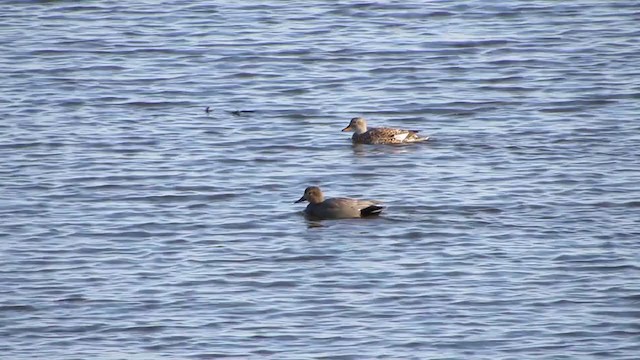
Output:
x=135 y=225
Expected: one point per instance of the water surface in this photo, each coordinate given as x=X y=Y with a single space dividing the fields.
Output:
x=135 y=225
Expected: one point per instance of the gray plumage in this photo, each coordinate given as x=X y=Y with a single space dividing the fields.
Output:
x=337 y=208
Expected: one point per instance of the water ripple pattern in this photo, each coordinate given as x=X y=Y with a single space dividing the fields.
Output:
x=137 y=225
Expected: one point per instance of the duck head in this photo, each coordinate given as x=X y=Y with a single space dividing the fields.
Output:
x=312 y=194
x=357 y=125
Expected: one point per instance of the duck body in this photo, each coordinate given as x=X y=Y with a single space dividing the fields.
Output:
x=381 y=135
x=342 y=208
x=387 y=136
x=337 y=208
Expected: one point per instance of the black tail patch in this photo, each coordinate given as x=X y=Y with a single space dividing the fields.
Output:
x=372 y=210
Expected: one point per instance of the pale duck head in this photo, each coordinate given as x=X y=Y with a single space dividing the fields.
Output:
x=357 y=125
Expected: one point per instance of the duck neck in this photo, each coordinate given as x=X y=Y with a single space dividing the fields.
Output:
x=316 y=199
x=361 y=129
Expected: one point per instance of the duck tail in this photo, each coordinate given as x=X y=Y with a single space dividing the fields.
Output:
x=417 y=138
x=371 y=210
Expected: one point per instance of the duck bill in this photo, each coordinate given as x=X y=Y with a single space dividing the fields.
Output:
x=300 y=200
x=348 y=128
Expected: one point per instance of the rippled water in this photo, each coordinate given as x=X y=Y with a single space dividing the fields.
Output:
x=134 y=224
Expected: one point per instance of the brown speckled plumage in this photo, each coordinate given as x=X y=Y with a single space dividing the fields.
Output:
x=380 y=135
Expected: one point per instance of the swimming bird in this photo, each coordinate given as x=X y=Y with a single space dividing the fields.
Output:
x=382 y=135
x=337 y=208
x=241 y=112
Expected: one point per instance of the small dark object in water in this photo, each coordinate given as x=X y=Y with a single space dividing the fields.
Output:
x=208 y=110
x=240 y=112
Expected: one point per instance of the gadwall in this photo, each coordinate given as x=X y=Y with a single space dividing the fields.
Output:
x=337 y=208
x=380 y=135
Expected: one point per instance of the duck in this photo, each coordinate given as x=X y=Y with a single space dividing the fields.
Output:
x=337 y=208
x=381 y=135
